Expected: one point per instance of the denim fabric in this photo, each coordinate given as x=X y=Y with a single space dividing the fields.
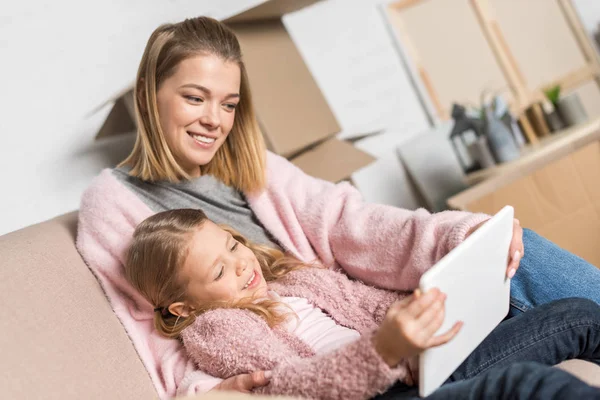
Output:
x=514 y=360
x=525 y=380
x=548 y=273
x=548 y=334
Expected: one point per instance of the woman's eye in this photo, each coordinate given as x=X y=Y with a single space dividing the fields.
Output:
x=234 y=247
x=230 y=107
x=220 y=274
x=194 y=99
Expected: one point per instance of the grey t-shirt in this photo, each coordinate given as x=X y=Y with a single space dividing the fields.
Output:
x=221 y=203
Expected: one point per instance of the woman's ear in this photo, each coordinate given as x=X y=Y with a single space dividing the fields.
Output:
x=180 y=309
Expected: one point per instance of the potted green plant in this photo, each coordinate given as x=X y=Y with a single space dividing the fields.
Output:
x=553 y=94
x=551 y=114
x=569 y=108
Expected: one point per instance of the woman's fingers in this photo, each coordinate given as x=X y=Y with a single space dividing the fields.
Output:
x=445 y=337
x=516 y=249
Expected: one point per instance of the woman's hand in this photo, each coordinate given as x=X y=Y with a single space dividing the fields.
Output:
x=516 y=249
x=245 y=382
x=409 y=326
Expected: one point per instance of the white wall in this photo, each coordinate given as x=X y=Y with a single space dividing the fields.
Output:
x=589 y=12
x=67 y=58
x=353 y=58
x=59 y=60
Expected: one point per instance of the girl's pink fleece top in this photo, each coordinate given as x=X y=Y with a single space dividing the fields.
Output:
x=229 y=342
x=382 y=246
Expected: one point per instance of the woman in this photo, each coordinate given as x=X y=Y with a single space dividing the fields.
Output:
x=198 y=146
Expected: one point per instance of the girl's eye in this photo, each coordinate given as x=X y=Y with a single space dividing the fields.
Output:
x=194 y=99
x=230 y=107
x=234 y=247
x=220 y=274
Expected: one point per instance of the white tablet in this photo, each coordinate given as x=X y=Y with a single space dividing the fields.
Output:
x=473 y=276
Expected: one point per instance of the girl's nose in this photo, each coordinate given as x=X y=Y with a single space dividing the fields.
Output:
x=241 y=266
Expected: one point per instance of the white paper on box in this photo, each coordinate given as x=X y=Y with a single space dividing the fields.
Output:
x=351 y=56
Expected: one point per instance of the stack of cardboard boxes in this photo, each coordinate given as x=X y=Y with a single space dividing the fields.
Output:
x=294 y=117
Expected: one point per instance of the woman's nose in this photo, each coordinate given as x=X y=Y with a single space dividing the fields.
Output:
x=210 y=117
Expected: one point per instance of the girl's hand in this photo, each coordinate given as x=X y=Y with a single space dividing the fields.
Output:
x=516 y=250
x=409 y=326
x=245 y=382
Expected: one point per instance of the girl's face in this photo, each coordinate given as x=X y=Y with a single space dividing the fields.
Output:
x=196 y=108
x=219 y=268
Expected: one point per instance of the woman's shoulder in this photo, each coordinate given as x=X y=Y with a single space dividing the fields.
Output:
x=289 y=181
x=104 y=182
x=109 y=209
x=106 y=188
x=278 y=165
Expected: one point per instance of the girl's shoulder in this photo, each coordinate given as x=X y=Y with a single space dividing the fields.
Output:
x=321 y=282
x=316 y=272
x=225 y=320
x=224 y=328
x=313 y=278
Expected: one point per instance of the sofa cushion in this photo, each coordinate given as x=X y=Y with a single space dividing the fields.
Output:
x=60 y=337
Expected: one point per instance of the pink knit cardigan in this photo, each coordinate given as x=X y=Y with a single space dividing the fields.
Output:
x=228 y=342
x=383 y=246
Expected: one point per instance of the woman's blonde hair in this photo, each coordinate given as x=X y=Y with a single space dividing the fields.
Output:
x=240 y=161
x=158 y=251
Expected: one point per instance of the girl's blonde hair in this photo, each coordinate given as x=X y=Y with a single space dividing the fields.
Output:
x=158 y=251
x=240 y=161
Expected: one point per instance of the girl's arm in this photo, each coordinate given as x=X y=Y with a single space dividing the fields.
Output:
x=382 y=245
x=230 y=342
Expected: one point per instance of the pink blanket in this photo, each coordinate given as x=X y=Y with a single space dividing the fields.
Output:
x=384 y=246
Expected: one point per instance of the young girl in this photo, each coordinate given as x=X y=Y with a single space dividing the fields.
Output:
x=241 y=307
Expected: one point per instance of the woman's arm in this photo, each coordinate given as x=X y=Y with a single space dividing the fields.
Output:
x=108 y=215
x=230 y=342
x=382 y=245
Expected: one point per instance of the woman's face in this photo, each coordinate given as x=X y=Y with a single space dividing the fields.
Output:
x=196 y=108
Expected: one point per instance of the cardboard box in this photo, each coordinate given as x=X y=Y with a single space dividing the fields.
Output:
x=291 y=110
x=332 y=160
x=554 y=189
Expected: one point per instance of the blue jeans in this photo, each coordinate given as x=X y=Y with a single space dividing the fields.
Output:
x=548 y=273
x=524 y=380
x=515 y=360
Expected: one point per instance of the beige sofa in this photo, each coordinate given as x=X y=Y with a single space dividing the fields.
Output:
x=59 y=337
